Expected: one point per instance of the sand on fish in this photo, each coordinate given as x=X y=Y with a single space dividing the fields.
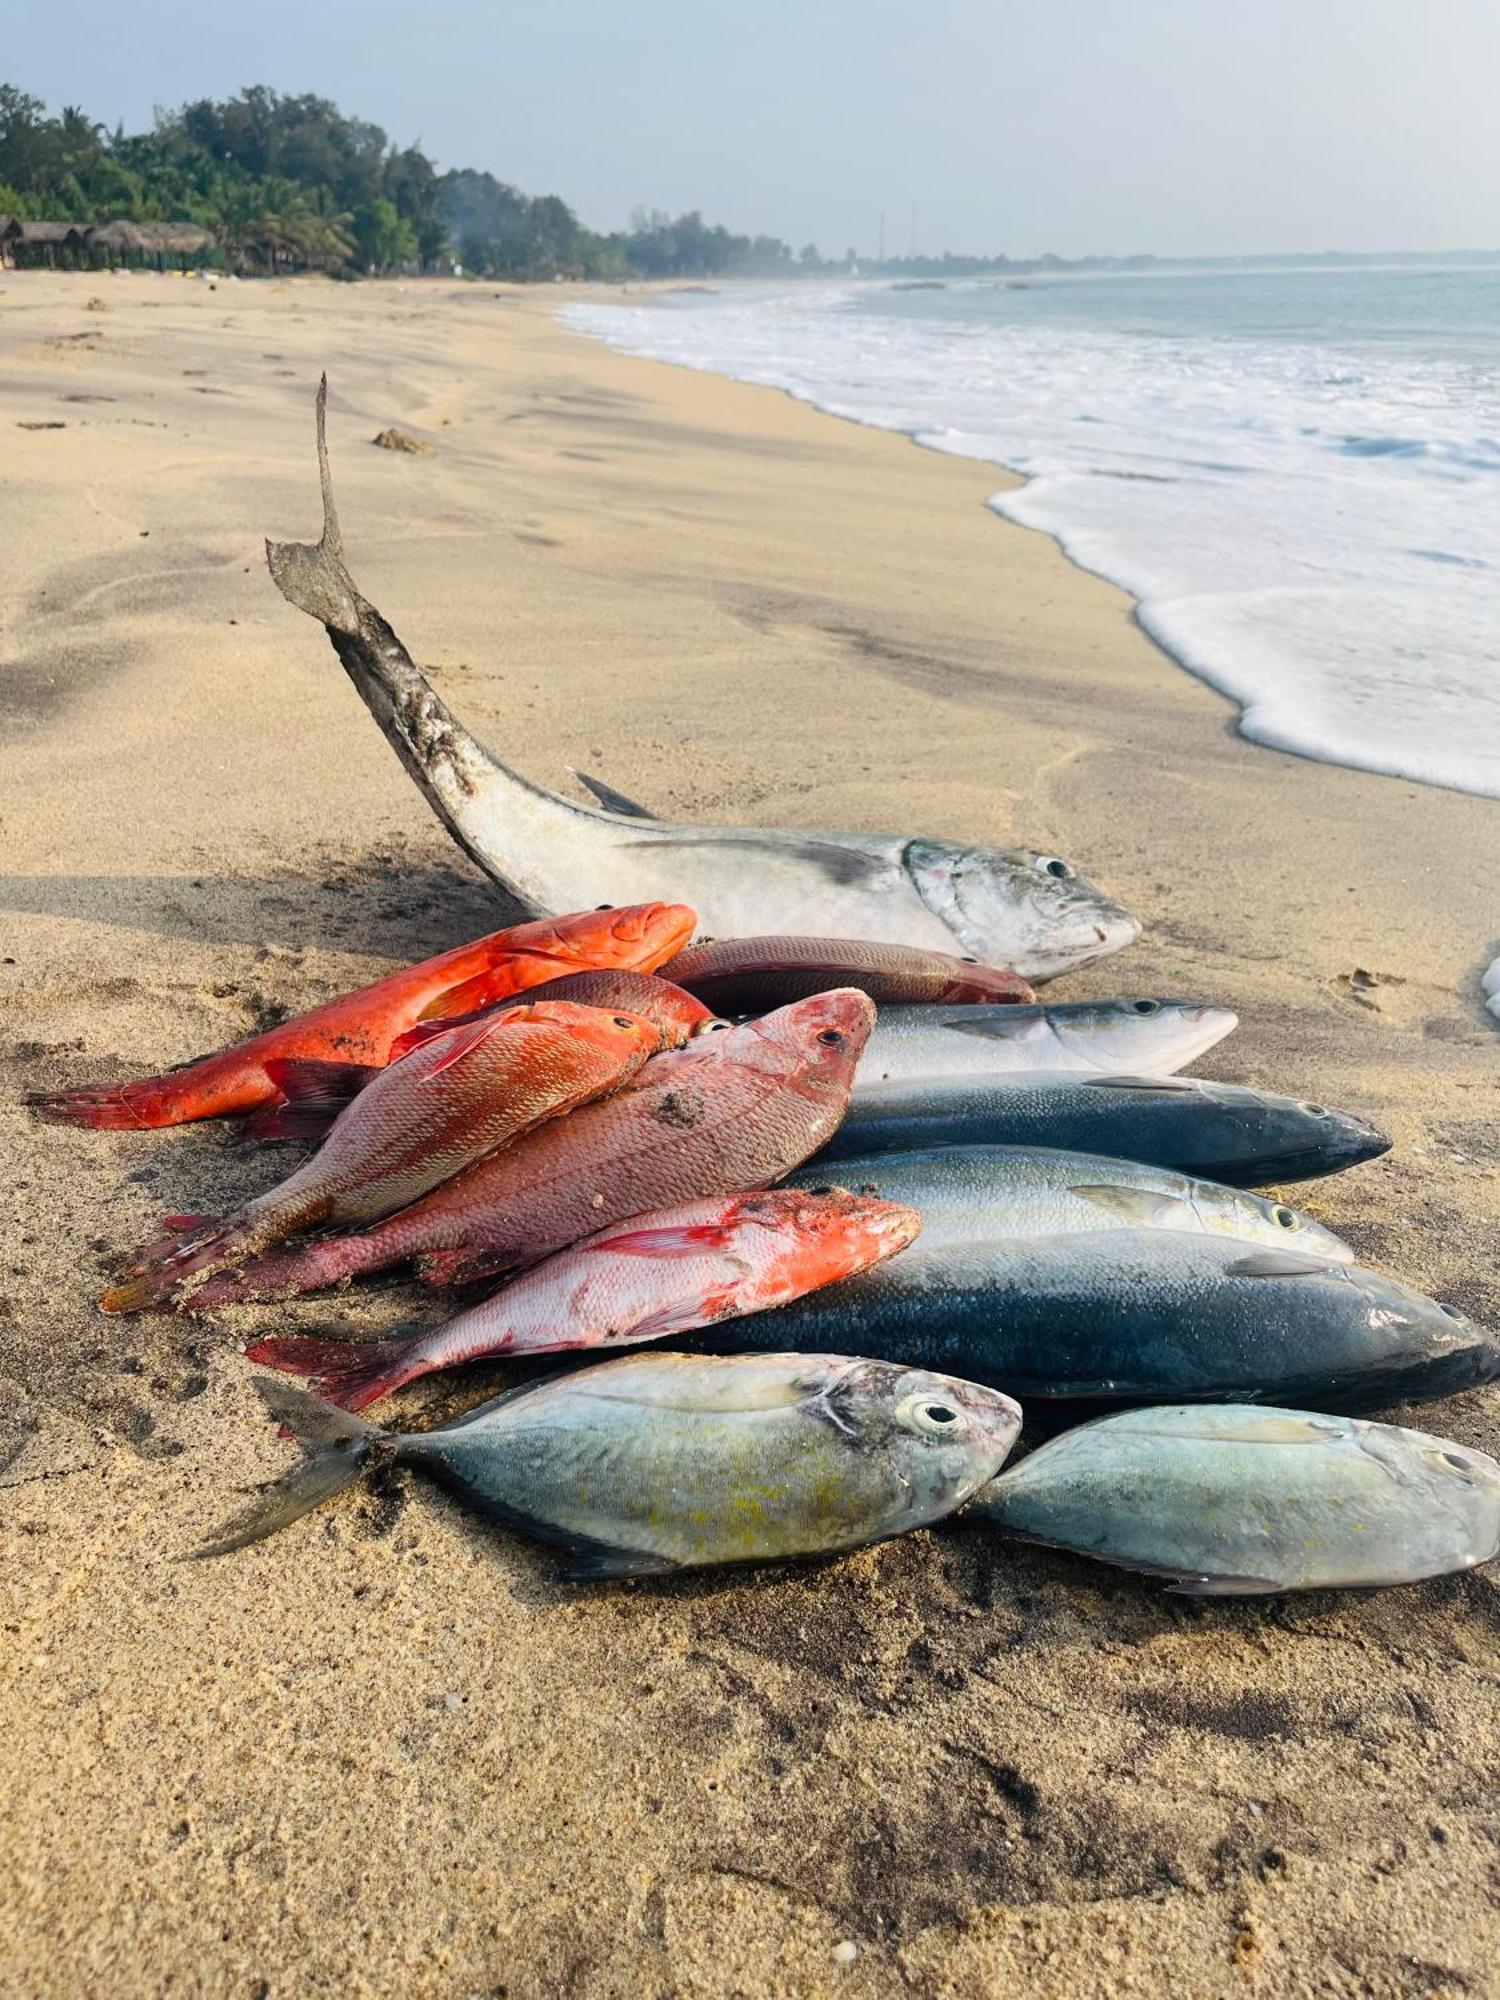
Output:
x=387 y=1752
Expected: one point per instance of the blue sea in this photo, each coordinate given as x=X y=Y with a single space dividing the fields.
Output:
x=1295 y=471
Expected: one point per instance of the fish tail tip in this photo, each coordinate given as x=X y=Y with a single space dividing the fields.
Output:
x=134 y=1295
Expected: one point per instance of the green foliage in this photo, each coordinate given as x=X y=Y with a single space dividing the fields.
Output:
x=290 y=183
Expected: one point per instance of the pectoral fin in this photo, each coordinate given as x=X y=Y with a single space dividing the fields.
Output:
x=609 y=798
x=1283 y=1264
x=1137 y=1205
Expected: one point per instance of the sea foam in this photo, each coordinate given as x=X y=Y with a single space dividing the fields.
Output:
x=1311 y=524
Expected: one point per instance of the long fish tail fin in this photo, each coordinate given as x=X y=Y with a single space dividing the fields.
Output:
x=455 y=773
x=312 y=575
x=339 y=1447
x=349 y=1373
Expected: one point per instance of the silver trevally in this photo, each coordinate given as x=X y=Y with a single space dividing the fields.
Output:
x=658 y=1462
x=1239 y=1499
x=966 y=1194
x=1032 y=913
x=1140 y=1037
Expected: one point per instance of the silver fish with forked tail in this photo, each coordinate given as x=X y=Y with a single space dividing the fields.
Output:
x=1242 y=1500
x=1032 y=913
x=660 y=1462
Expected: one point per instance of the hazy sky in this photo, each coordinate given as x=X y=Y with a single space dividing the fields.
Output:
x=1018 y=125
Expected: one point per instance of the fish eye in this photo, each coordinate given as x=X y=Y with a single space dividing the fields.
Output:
x=1452 y=1311
x=1453 y=1458
x=831 y=1038
x=929 y=1416
x=1146 y=1006
x=604 y=906
x=1316 y=1110
x=1049 y=864
x=1286 y=1217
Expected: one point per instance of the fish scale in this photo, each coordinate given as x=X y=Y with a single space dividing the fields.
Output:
x=769 y=1093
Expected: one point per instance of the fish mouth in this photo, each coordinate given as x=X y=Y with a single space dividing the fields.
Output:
x=1091 y=932
x=1351 y=1146
x=1208 y=1026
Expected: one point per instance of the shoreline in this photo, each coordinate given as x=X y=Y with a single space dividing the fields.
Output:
x=1259 y=699
x=388 y=1751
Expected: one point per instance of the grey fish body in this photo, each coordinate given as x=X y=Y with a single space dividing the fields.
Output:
x=1146 y=1316
x=968 y=1194
x=656 y=1462
x=1220 y=1131
x=1240 y=1499
x=1143 y=1037
x=1027 y=911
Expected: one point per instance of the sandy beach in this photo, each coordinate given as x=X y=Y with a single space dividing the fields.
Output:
x=387 y=1753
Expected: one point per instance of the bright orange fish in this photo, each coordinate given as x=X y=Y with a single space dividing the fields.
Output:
x=360 y=1027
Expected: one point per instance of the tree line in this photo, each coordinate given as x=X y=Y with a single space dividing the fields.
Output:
x=289 y=183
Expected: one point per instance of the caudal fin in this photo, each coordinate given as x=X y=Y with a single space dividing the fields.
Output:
x=119 y=1107
x=349 y=1373
x=339 y=1446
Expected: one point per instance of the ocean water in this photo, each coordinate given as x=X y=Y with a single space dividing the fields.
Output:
x=1296 y=472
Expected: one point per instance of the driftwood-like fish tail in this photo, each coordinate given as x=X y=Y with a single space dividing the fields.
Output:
x=439 y=753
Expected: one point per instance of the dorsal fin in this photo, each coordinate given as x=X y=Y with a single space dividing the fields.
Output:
x=609 y=798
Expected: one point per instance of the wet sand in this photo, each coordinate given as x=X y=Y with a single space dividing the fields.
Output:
x=388 y=1753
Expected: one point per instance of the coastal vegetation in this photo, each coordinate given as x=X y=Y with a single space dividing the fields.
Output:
x=290 y=183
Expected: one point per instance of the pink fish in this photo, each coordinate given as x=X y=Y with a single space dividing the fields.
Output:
x=645 y=1279
x=731 y=1113
x=454 y=1099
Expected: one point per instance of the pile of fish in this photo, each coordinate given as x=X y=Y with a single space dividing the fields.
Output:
x=882 y=1192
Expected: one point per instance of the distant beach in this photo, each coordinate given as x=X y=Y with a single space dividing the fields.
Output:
x=391 y=1754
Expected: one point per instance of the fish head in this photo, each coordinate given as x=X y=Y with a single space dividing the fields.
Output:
x=1316 y=1138
x=1143 y=1033
x=1013 y=907
x=818 y=1234
x=640 y=935
x=975 y=984
x=940 y=1437
x=1466 y=1484
x=630 y=1037
x=824 y=1036
x=1279 y=1223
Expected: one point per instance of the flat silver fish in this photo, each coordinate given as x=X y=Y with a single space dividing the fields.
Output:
x=659 y=1462
x=1140 y=1037
x=1240 y=1500
x=1030 y=912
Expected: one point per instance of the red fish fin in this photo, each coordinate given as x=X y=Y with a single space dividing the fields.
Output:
x=276 y=1124
x=124 y=1107
x=465 y=1041
x=674 y=1240
x=483 y=990
x=350 y=1373
x=425 y=1030
x=301 y=1077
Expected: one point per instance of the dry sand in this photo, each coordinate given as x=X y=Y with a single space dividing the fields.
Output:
x=387 y=1754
